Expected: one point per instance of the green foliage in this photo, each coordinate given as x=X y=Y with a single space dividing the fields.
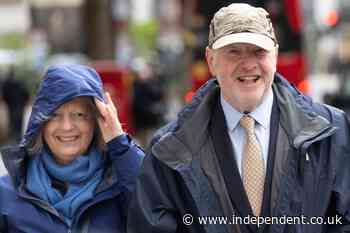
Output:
x=144 y=36
x=13 y=40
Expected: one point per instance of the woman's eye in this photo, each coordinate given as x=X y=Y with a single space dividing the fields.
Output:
x=78 y=115
x=54 y=116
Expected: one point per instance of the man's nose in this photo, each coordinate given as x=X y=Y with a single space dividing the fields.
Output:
x=249 y=62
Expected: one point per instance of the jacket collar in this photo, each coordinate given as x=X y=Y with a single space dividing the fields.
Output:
x=298 y=117
x=177 y=146
x=261 y=114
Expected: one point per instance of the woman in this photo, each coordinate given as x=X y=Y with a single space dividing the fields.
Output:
x=75 y=168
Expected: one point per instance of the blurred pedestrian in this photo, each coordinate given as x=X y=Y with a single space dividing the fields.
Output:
x=75 y=168
x=249 y=145
x=148 y=101
x=4 y=116
x=16 y=95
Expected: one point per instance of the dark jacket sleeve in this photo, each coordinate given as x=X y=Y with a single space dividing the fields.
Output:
x=151 y=209
x=341 y=185
x=126 y=157
x=2 y=224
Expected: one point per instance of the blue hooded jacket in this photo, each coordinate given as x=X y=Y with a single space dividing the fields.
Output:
x=59 y=85
x=21 y=211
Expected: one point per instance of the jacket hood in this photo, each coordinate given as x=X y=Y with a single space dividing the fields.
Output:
x=60 y=84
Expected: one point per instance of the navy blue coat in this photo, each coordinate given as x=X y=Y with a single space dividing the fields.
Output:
x=181 y=177
x=21 y=211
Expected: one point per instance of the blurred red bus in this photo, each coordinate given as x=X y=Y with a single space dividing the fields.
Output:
x=118 y=82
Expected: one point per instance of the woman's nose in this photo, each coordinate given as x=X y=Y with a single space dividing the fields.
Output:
x=67 y=123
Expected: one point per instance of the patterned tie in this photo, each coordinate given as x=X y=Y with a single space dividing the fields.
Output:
x=253 y=166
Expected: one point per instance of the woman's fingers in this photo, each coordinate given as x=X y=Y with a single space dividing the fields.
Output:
x=101 y=123
x=101 y=107
x=110 y=102
x=108 y=121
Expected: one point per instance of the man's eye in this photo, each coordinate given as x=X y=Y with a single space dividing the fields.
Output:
x=260 y=52
x=233 y=51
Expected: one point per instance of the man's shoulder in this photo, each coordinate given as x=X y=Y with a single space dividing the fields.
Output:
x=168 y=128
x=187 y=111
x=307 y=103
x=331 y=113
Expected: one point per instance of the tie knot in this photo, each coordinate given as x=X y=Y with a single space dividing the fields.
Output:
x=247 y=122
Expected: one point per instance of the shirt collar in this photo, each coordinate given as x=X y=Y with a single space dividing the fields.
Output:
x=232 y=116
x=261 y=114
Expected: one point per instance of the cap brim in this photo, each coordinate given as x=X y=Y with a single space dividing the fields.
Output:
x=259 y=40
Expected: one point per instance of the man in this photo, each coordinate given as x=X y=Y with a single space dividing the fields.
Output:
x=249 y=144
x=16 y=95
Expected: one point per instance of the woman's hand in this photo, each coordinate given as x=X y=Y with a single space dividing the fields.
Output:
x=108 y=120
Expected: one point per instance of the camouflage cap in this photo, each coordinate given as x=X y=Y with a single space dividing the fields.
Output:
x=242 y=23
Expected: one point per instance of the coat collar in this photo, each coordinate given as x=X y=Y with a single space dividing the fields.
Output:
x=177 y=146
x=298 y=117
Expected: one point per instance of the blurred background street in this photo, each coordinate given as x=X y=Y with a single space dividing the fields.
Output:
x=150 y=53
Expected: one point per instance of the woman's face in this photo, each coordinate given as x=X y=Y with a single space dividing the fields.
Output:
x=70 y=130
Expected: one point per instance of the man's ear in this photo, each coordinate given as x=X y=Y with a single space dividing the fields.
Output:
x=276 y=57
x=276 y=51
x=209 y=56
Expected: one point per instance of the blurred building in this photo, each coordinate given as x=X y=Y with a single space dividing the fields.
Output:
x=62 y=21
x=14 y=16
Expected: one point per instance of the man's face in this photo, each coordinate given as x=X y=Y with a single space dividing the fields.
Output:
x=245 y=73
x=70 y=130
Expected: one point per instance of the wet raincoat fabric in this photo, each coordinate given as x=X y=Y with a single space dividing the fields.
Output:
x=22 y=211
